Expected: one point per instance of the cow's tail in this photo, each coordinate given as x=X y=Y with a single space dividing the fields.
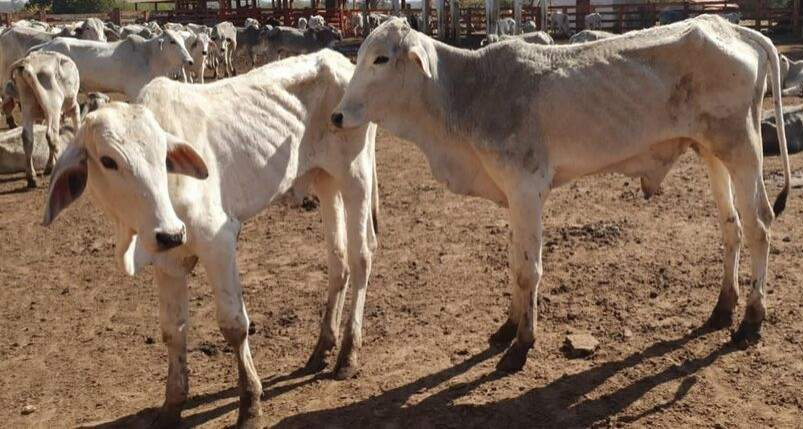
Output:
x=775 y=82
x=375 y=187
x=28 y=74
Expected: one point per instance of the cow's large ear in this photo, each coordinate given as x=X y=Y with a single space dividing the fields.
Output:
x=418 y=55
x=183 y=159
x=67 y=182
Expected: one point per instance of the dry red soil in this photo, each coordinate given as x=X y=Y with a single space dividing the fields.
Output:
x=80 y=341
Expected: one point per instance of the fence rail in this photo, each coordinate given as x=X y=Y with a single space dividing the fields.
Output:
x=615 y=17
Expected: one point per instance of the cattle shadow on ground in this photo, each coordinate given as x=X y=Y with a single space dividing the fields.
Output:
x=564 y=402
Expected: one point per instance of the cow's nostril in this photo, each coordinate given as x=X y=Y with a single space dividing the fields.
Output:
x=167 y=240
x=337 y=119
x=190 y=62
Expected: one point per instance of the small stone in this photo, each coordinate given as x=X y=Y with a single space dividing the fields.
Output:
x=28 y=409
x=627 y=333
x=149 y=340
x=580 y=345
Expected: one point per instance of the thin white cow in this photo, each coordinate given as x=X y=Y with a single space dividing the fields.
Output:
x=236 y=146
x=697 y=83
x=593 y=21
x=559 y=22
x=46 y=85
x=92 y=29
x=791 y=76
x=197 y=45
x=125 y=66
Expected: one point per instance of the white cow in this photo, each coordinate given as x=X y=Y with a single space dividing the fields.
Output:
x=589 y=36
x=14 y=45
x=593 y=21
x=792 y=76
x=559 y=22
x=733 y=17
x=302 y=23
x=235 y=146
x=357 y=22
x=251 y=22
x=225 y=35
x=125 y=66
x=506 y=26
x=198 y=47
x=46 y=85
x=317 y=22
x=92 y=29
x=529 y=27
x=696 y=83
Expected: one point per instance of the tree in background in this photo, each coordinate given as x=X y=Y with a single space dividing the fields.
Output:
x=72 y=6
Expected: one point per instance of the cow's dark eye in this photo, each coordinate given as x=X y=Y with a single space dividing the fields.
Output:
x=381 y=60
x=108 y=163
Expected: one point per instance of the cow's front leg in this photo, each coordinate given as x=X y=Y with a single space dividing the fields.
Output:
x=525 y=260
x=219 y=260
x=356 y=197
x=173 y=317
x=334 y=226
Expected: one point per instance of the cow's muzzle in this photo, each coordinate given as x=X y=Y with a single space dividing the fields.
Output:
x=167 y=240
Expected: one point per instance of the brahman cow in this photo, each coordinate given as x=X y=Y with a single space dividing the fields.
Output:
x=235 y=146
x=92 y=29
x=197 y=45
x=225 y=35
x=793 y=124
x=280 y=42
x=125 y=66
x=593 y=21
x=46 y=85
x=791 y=76
x=697 y=83
x=589 y=36
x=559 y=22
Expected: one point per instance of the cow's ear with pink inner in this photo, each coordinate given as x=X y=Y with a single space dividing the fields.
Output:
x=67 y=182
x=183 y=159
x=418 y=55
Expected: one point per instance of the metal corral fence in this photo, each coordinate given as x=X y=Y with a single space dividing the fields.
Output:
x=617 y=18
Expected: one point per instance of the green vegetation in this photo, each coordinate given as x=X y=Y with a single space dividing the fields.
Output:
x=75 y=6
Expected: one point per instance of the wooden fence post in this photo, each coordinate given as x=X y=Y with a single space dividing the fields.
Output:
x=425 y=17
x=796 y=18
x=114 y=16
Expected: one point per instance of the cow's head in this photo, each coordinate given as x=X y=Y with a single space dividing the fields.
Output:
x=172 y=45
x=201 y=43
x=123 y=156
x=393 y=64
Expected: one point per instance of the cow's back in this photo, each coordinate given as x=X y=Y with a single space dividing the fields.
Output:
x=253 y=129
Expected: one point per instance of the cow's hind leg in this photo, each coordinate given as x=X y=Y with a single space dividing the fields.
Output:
x=173 y=317
x=722 y=316
x=332 y=212
x=219 y=260
x=357 y=200
x=52 y=136
x=756 y=213
x=8 y=112
x=27 y=147
x=525 y=259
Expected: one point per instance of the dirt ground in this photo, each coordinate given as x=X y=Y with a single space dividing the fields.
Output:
x=80 y=341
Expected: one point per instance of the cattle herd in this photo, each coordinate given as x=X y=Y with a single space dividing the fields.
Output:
x=181 y=165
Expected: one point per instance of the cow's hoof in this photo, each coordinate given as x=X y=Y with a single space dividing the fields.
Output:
x=32 y=183
x=10 y=122
x=514 y=359
x=167 y=417
x=249 y=421
x=346 y=368
x=720 y=318
x=747 y=334
x=504 y=335
x=317 y=361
